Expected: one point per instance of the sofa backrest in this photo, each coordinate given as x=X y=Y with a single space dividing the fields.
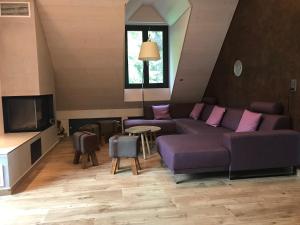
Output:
x=148 y=112
x=274 y=122
x=232 y=118
x=266 y=107
x=272 y=118
x=206 y=112
x=181 y=110
x=177 y=110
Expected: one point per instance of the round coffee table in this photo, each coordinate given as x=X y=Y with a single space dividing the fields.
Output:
x=143 y=132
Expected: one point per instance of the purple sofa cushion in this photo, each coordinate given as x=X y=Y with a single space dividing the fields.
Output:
x=189 y=126
x=197 y=111
x=161 y=112
x=181 y=110
x=249 y=121
x=216 y=116
x=266 y=107
x=232 y=118
x=274 y=122
x=206 y=112
x=167 y=126
x=187 y=152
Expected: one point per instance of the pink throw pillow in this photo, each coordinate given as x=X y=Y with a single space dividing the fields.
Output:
x=249 y=121
x=161 y=112
x=196 y=111
x=216 y=116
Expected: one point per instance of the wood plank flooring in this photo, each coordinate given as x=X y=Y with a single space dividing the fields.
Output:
x=60 y=193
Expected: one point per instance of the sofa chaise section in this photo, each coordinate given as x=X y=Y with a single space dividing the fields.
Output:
x=262 y=149
x=193 y=153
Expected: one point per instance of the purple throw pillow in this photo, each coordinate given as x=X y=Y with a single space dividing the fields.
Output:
x=216 y=116
x=161 y=112
x=249 y=121
x=196 y=111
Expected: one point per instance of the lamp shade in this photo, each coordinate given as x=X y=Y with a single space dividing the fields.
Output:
x=149 y=51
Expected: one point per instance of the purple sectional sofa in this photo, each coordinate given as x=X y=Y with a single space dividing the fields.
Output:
x=191 y=146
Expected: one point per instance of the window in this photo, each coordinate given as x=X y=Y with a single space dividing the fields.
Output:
x=155 y=73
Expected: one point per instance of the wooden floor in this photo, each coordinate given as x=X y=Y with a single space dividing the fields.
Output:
x=58 y=192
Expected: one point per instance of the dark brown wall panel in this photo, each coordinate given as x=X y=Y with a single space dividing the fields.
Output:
x=265 y=36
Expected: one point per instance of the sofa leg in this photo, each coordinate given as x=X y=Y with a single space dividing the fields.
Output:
x=231 y=176
x=162 y=163
x=294 y=170
x=177 y=179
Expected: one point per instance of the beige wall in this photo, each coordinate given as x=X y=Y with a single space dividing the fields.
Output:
x=18 y=64
x=25 y=65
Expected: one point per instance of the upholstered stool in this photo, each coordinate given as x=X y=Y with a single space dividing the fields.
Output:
x=108 y=128
x=85 y=144
x=124 y=147
x=93 y=128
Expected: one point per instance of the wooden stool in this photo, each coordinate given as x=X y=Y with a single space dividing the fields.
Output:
x=124 y=147
x=85 y=145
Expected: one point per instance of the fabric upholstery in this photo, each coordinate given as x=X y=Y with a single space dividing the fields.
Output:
x=123 y=146
x=266 y=107
x=85 y=142
x=148 y=112
x=216 y=116
x=206 y=112
x=274 y=122
x=190 y=126
x=263 y=149
x=195 y=114
x=232 y=118
x=181 y=110
x=209 y=100
x=249 y=121
x=161 y=112
x=192 y=151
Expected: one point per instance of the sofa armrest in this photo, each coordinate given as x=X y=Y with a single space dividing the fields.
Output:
x=263 y=149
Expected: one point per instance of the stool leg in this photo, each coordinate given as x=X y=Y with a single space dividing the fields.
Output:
x=76 y=157
x=84 y=160
x=114 y=165
x=134 y=167
x=94 y=159
x=138 y=163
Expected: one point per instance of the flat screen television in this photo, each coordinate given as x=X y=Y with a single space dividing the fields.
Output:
x=27 y=113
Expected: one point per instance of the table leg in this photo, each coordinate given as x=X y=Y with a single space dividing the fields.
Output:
x=147 y=143
x=143 y=145
x=151 y=139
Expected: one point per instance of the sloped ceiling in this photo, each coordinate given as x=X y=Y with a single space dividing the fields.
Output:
x=86 y=43
x=208 y=26
x=87 y=50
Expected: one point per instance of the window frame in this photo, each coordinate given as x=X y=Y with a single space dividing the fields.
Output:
x=145 y=29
